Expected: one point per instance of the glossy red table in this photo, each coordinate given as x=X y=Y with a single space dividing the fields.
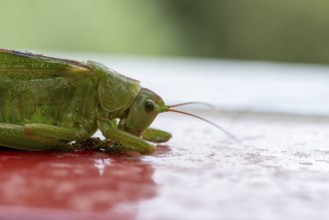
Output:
x=279 y=172
x=82 y=185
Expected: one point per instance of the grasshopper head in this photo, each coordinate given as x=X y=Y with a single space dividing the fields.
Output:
x=143 y=111
x=148 y=105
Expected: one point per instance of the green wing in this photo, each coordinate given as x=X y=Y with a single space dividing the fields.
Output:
x=116 y=92
x=40 y=89
x=17 y=65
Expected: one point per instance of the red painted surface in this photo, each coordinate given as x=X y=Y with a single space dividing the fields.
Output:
x=280 y=172
x=80 y=185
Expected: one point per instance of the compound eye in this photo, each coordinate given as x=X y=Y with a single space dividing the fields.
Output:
x=149 y=105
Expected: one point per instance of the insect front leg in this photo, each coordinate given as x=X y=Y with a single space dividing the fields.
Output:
x=126 y=140
x=155 y=135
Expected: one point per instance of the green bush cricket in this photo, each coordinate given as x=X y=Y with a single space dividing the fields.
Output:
x=46 y=103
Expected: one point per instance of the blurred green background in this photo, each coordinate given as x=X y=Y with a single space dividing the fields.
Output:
x=279 y=30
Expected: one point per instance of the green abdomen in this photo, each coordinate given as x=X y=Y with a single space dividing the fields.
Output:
x=64 y=101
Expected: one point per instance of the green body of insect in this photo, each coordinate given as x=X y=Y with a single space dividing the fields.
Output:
x=46 y=103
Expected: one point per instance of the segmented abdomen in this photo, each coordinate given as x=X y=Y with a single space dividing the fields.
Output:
x=65 y=101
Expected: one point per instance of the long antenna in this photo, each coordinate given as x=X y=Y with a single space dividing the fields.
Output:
x=192 y=103
x=210 y=122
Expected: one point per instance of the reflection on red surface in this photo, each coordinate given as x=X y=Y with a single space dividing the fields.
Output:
x=80 y=185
